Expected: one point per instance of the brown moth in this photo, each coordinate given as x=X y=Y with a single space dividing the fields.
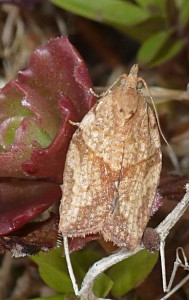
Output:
x=112 y=168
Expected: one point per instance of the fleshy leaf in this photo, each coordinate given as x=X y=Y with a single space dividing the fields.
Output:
x=53 y=270
x=171 y=50
x=35 y=130
x=183 y=11
x=152 y=46
x=130 y=272
x=122 y=13
x=32 y=238
x=102 y=286
x=153 y=5
x=82 y=260
x=79 y=243
x=35 y=111
x=20 y=201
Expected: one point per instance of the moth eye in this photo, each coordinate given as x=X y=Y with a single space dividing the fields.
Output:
x=139 y=85
x=123 y=80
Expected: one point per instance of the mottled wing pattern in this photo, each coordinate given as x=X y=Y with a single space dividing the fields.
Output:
x=139 y=177
x=92 y=167
x=112 y=169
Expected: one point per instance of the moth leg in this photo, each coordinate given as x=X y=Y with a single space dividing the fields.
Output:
x=69 y=266
x=74 y=123
x=59 y=240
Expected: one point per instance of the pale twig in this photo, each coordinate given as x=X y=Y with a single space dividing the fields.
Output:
x=178 y=263
x=178 y=286
x=160 y=95
x=163 y=230
x=165 y=226
x=100 y=266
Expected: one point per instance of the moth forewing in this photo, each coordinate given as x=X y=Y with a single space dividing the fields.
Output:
x=112 y=168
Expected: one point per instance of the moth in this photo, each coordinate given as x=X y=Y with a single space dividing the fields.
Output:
x=112 y=168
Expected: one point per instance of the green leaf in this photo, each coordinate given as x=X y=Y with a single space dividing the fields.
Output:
x=169 y=52
x=57 y=297
x=146 y=29
x=153 y=6
x=55 y=279
x=102 y=286
x=130 y=272
x=152 y=46
x=161 y=4
x=53 y=270
x=83 y=260
x=146 y=3
x=53 y=258
x=8 y=129
x=112 y=12
x=183 y=6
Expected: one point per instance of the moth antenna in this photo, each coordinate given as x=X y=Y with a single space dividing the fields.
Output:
x=94 y=94
x=108 y=90
x=170 y=151
x=59 y=241
x=69 y=266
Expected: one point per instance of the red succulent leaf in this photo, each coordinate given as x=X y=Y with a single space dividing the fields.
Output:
x=20 y=201
x=78 y=243
x=35 y=111
x=32 y=238
x=35 y=130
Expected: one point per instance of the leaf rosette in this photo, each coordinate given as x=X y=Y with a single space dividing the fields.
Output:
x=35 y=130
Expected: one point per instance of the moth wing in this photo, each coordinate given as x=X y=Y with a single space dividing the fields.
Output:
x=112 y=171
x=88 y=181
x=139 y=178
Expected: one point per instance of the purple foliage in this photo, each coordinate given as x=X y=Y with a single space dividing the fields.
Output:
x=35 y=129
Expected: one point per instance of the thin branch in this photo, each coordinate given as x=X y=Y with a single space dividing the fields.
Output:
x=163 y=95
x=99 y=267
x=165 y=226
x=181 y=283
x=160 y=95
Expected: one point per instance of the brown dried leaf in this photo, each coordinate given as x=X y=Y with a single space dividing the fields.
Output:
x=172 y=187
x=32 y=238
